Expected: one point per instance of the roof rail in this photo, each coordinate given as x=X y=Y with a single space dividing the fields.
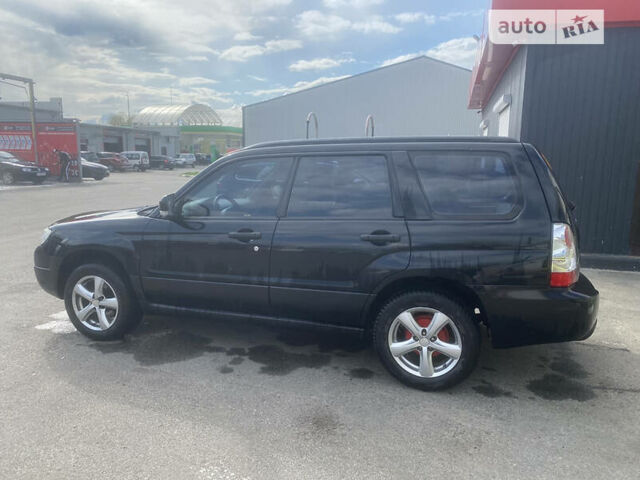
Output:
x=355 y=140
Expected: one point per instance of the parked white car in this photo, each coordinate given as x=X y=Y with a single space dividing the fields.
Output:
x=186 y=160
x=138 y=160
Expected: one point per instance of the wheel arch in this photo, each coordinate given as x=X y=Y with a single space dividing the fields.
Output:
x=86 y=257
x=445 y=286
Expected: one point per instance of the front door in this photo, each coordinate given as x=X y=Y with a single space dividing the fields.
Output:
x=217 y=247
x=338 y=240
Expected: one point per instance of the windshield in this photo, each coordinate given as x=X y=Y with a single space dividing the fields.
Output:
x=132 y=156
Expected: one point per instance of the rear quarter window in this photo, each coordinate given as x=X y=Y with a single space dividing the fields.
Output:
x=468 y=184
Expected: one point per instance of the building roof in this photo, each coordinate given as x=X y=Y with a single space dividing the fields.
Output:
x=492 y=60
x=348 y=78
x=194 y=114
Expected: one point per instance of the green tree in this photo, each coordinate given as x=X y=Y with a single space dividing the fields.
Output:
x=119 y=120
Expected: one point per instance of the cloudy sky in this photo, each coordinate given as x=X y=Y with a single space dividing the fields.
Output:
x=225 y=53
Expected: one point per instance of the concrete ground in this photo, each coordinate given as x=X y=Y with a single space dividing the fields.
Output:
x=184 y=398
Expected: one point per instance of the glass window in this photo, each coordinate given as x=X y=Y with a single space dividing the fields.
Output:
x=341 y=186
x=251 y=188
x=465 y=184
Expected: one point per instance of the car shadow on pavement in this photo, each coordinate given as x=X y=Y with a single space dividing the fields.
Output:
x=577 y=371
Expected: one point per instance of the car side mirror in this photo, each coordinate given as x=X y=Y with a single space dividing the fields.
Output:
x=166 y=205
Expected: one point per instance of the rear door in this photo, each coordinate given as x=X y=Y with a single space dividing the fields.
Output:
x=479 y=215
x=337 y=240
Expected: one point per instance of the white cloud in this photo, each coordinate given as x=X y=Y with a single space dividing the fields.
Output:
x=192 y=81
x=341 y=4
x=245 y=37
x=458 y=51
x=296 y=87
x=242 y=53
x=257 y=78
x=375 y=25
x=231 y=116
x=467 y=13
x=314 y=23
x=318 y=64
x=414 y=17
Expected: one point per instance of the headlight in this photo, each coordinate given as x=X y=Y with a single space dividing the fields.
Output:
x=45 y=235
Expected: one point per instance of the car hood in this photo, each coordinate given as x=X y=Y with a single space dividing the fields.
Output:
x=103 y=216
x=17 y=163
x=87 y=163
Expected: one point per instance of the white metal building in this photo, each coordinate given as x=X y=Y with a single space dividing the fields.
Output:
x=421 y=96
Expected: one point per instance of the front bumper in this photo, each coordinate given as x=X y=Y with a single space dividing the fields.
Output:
x=47 y=266
x=523 y=316
x=47 y=280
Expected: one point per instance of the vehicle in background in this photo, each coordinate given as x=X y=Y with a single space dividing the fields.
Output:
x=12 y=170
x=187 y=159
x=202 y=159
x=90 y=156
x=97 y=171
x=161 y=161
x=138 y=159
x=114 y=161
x=417 y=243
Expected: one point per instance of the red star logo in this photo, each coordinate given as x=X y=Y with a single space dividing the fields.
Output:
x=578 y=19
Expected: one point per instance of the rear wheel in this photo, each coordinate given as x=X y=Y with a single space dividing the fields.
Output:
x=99 y=303
x=427 y=340
x=7 y=178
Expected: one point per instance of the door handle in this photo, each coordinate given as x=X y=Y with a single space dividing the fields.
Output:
x=380 y=238
x=245 y=235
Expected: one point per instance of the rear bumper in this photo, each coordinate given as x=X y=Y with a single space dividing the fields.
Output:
x=522 y=316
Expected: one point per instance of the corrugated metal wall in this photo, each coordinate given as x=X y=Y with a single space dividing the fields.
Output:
x=582 y=109
x=422 y=96
x=511 y=83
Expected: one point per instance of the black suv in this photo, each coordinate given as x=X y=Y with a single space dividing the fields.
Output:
x=417 y=241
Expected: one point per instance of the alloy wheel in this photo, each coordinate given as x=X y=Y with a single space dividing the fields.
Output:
x=425 y=342
x=95 y=303
x=7 y=178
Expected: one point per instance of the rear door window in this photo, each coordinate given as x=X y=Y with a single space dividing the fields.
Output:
x=341 y=187
x=468 y=184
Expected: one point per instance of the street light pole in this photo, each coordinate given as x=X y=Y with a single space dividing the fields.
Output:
x=128 y=111
x=32 y=107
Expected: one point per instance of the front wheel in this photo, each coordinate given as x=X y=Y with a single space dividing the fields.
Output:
x=427 y=340
x=99 y=303
x=7 y=178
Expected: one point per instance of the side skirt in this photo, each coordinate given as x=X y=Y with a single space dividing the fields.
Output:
x=171 y=310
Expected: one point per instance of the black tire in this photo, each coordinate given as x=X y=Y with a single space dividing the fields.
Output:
x=98 y=177
x=128 y=314
x=460 y=317
x=38 y=181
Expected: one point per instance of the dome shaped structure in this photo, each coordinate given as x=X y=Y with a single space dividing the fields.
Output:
x=194 y=114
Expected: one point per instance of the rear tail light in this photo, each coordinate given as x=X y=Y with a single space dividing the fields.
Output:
x=564 y=257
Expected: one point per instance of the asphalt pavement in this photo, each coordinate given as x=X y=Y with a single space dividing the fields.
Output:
x=185 y=398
